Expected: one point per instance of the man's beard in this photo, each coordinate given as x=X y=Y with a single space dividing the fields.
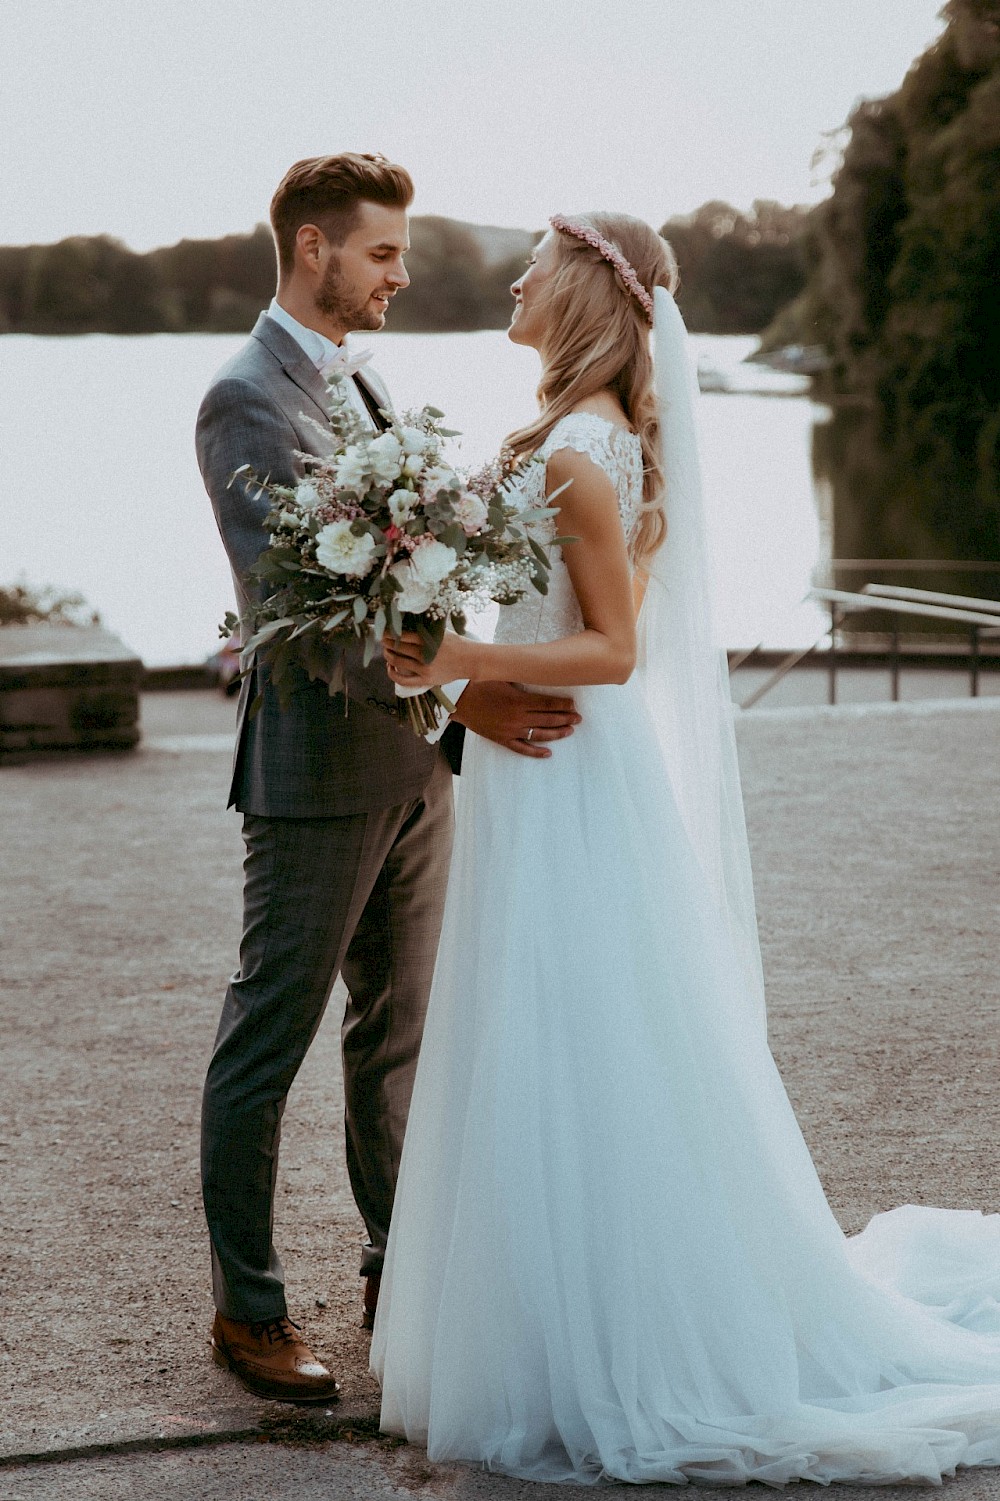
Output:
x=338 y=301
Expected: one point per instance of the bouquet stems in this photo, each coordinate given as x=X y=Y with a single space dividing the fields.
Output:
x=424 y=710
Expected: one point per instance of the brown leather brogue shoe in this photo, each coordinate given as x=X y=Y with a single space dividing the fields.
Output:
x=372 y=1285
x=272 y=1360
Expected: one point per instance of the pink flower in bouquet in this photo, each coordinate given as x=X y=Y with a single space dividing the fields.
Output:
x=471 y=512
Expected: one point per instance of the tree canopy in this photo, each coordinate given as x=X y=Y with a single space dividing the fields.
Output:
x=737 y=270
x=904 y=291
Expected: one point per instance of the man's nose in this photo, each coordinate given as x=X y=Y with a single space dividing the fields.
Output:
x=398 y=276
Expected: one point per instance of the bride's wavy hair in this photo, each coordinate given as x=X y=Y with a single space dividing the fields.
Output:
x=597 y=336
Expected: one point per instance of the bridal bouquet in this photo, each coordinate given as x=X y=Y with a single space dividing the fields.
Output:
x=382 y=536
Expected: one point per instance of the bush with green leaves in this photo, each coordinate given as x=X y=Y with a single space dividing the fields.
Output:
x=22 y=605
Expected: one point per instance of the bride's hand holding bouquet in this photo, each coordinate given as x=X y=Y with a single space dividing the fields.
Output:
x=408 y=668
x=383 y=540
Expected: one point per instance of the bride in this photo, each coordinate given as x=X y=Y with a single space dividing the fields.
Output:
x=610 y=1254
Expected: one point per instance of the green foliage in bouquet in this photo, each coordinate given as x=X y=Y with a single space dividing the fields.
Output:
x=383 y=536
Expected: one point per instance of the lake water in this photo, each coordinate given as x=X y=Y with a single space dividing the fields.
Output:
x=100 y=493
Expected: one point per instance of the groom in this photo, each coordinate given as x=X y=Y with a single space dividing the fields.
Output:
x=347 y=817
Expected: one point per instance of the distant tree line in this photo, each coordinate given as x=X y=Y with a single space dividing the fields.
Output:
x=97 y=285
x=903 y=290
x=737 y=271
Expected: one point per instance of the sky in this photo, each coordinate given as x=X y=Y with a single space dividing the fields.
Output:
x=152 y=122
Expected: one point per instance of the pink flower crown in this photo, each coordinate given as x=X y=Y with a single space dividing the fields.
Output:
x=612 y=254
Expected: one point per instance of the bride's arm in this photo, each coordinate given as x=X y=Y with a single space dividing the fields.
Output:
x=604 y=651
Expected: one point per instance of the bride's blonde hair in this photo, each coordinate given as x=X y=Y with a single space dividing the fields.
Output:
x=597 y=337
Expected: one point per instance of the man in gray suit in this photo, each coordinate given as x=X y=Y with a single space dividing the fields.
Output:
x=347 y=817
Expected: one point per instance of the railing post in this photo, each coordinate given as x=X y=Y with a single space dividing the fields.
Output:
x=974 y=662
x=832 y=658
x=895 y=663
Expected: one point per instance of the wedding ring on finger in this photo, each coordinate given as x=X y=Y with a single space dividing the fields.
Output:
x=529 y=734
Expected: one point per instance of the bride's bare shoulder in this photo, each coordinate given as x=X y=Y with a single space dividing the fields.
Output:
x=604 y=404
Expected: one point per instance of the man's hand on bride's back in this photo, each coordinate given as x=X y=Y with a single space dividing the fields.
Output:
x=520 y=721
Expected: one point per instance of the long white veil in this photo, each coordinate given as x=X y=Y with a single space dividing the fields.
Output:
x=682 y=669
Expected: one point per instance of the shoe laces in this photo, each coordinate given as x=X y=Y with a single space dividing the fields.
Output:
x=277 y=1331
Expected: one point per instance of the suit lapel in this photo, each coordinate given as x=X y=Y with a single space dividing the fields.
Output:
x=299 y=368
x=294 y=361
x=308 y=379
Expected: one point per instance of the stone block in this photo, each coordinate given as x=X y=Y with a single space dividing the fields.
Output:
x=66 y=688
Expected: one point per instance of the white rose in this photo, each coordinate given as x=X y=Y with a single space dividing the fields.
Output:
x=401 y=503
x=350 y=468
x=307 y=495
x=432 y=561
x=339 y=551
x=471 y=511
x=415 y=595
x=413 y=465
x=437 y=479
x=414 y=441
x=384 y=453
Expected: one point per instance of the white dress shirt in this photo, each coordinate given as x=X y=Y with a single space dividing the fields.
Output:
x=318 y=348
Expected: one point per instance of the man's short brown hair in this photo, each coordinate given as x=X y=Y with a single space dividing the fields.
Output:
x=326 y=191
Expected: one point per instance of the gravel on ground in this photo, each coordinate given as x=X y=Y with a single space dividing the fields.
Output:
x=876 y=840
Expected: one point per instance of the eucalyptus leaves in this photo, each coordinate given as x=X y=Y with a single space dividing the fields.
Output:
x=382 y=535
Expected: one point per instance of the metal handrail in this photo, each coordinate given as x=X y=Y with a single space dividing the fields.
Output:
x=906 y=565
x=744 y=656
x=978 y=621
x=982 y=621
x=851 y=602
x=928 y=596
x=784 y=667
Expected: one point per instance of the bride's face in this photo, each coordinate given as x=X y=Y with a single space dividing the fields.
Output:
x=527 y=325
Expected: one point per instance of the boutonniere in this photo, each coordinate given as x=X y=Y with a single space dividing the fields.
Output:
x=344 y=363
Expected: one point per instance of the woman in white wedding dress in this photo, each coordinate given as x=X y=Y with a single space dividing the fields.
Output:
x=610 y=1254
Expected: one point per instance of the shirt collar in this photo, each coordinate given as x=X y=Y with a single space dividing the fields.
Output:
x=317 y=346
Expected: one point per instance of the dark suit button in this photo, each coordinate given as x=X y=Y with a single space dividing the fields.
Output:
x=394 y=711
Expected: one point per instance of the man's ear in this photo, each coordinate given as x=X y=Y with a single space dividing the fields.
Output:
x=309 y=241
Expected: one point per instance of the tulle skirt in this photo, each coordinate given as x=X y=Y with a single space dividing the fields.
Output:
x=610 y=1255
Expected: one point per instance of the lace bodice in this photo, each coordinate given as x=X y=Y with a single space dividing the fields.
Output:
x=552 y=616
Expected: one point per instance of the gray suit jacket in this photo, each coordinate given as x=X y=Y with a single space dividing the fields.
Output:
x=313 y=759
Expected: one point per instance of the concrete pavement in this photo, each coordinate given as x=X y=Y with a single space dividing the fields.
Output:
x=876 y=838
